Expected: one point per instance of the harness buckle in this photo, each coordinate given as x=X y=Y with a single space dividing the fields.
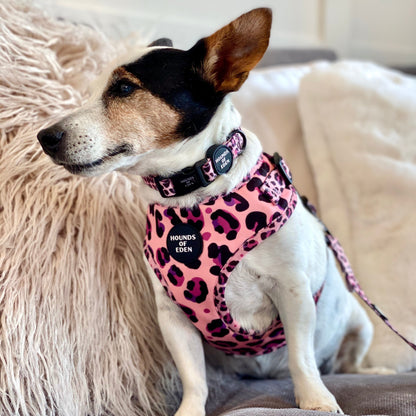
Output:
x=279 y=162
x=198 y=168
x=183 y=182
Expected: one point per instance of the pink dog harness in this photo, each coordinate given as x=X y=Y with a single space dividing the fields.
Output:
x=194 y=250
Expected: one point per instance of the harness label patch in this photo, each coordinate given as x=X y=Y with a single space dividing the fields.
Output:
x=184 y=243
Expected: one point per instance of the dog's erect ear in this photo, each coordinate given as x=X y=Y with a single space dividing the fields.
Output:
x=161 y=42
x=233 y=51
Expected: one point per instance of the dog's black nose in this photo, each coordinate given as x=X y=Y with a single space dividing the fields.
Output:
x=50 y=139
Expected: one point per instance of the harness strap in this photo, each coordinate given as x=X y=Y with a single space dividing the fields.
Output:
x=351 y=280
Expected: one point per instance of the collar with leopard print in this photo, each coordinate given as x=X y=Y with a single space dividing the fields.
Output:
x=194 y=250
x=218 y=160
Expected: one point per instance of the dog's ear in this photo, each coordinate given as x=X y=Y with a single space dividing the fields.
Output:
x=233 y=51
x=161 y=42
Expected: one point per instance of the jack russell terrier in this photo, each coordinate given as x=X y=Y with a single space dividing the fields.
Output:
x=234 y=254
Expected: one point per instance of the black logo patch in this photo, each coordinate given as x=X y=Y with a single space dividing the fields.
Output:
x=184 y=243
x=221 y=157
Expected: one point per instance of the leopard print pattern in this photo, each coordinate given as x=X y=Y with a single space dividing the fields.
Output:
x=209 y=171
x=167 y=187
x=229 y=227
x=150 y=181
x=236 y=143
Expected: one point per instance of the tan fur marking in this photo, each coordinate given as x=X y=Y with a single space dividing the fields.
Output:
x=235 y=50
x=141 y=120
x=121 y=73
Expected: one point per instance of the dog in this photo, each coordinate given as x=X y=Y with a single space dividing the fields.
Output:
x=167 y=115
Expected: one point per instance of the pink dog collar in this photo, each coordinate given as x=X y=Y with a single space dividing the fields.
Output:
x=219 y=160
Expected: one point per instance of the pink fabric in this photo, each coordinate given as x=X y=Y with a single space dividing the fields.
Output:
x=227 y=227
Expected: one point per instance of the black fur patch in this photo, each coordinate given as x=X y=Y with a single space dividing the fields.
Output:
x=175 y=76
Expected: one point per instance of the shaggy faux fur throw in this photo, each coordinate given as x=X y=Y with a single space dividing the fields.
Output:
x=77 y=330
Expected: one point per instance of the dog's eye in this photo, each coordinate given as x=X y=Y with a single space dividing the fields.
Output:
x=123 y=88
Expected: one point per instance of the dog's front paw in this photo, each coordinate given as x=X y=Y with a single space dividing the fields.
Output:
x=323 y=403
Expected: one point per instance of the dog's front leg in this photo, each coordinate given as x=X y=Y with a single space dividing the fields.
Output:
x=185 y=345
x=298 y=314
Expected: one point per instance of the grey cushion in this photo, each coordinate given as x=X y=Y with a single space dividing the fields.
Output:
x=369 y=395
x=292 y=56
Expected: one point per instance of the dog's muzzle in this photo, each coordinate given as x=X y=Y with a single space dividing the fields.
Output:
x=51 y=139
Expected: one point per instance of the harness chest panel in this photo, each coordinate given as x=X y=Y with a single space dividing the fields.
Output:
x=193 y=251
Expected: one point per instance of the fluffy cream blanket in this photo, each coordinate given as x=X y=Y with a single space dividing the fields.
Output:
x=77 y=331
x=360 y=134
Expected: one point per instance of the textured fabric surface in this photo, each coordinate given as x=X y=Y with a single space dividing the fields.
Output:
x=360 y=134
x=358 y=395
x=268 y=105
x=77 y=335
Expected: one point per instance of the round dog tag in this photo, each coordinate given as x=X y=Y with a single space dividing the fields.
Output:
x=221 y=157
x=184 y=243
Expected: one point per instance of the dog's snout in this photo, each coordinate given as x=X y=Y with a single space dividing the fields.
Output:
x=50 y=139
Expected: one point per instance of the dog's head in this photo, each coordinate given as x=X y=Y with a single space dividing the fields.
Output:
x=164 y=96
